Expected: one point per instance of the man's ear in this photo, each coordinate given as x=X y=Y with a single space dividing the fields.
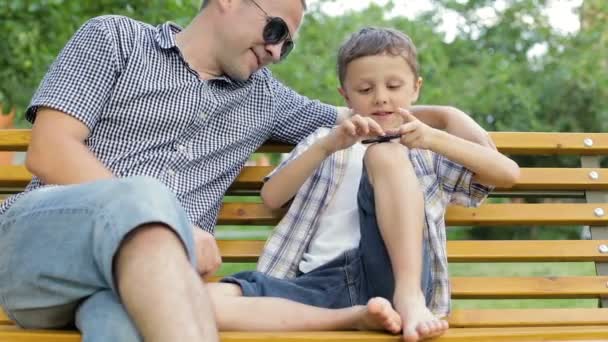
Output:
x=417 y=88
x=344 y=95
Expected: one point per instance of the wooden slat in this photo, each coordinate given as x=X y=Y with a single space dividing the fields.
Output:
x=487 y=214
x=14 y=139
x=550 y=143
x=507 y=142
x=559 y=333
x=472 y=318
x=531 y=178
x=466 y=251
x=529 y=287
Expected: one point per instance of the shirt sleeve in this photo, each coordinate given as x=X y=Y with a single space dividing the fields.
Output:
x=296 y=116
x=82 y=77
x=457 y=182
x=299 y=149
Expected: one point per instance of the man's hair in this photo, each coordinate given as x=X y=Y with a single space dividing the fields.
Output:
x=206 y=2
x=373 y=41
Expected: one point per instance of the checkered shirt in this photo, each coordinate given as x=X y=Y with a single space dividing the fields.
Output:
x=442 y=180
x=150 y=114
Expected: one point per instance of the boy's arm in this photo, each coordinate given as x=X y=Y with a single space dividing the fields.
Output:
x=286 y=181
x=489 y=166
x=450 y=119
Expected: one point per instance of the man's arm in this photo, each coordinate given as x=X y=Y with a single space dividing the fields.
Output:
x=57 y=153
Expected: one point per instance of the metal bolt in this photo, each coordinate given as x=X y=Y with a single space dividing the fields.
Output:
x=603 y=249
x=588 y=142
x=594 y=175
x=599 y=212
x=606 y=284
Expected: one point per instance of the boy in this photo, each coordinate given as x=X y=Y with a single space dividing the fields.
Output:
x=367 y=222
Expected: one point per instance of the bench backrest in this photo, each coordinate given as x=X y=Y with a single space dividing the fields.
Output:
x=544 y=200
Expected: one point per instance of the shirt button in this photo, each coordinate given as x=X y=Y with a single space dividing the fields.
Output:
x=171 y=172
x=181 y=148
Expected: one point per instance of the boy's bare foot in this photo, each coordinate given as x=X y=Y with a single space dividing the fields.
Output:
x=380 y=315
x=418 y=321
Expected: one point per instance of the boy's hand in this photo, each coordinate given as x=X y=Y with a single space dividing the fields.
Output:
x=349 y=132
x=414 y=133
x=208 y=257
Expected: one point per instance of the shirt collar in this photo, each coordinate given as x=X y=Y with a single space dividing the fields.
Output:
x=165 y=35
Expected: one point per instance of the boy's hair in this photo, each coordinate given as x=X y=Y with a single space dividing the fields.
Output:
x=373 y=41
x=206 y=2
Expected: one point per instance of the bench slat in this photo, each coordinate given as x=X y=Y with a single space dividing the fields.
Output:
x=529 y=287
x=471 y=318
x=571 y=333
x=507 y=142
x=466 y=251
x=487 y=214
x=251 y=178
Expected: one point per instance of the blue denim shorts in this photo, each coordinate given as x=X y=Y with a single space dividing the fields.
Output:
x=57 y=244
x=351 y=279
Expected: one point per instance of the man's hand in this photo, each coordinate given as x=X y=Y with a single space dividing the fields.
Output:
x=208 y=258
x=349 y=132
x=414 y=133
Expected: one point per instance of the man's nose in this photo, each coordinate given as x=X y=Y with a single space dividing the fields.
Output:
x=274 y=51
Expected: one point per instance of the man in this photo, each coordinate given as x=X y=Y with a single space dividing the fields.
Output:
x=141 y=130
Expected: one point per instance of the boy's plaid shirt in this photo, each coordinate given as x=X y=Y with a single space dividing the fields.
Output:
x=443 y=182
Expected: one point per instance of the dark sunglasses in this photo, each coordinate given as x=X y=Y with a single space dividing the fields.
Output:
x=276 y=32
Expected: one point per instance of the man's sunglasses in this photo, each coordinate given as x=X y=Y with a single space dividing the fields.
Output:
x=276 y=31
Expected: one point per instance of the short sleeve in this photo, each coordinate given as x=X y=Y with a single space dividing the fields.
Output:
x=458 y=184
x=82 y=77
x=296 y=116
x=299 y=149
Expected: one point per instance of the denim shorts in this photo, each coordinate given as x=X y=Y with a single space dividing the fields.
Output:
x=57 y=244
x=351 y=279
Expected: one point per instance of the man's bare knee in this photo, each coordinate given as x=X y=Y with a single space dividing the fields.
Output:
x=146 y=241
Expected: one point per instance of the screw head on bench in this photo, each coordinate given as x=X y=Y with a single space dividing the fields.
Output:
x=599 y=212
x=594 y=175
x=603 y=249
x=588 y=142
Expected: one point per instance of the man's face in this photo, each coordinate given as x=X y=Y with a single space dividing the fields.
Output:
x=377 y=86
x=244 y=50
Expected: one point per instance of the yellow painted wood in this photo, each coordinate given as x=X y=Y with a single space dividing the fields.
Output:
x=487 y=214
x=558 y=333
x=466 y=251
x=472 y=318
x=507 y=142
x=531 y=178
x=529 y=287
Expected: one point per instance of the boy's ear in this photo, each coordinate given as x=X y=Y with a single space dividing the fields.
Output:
x=344 y=95
x=417 y=88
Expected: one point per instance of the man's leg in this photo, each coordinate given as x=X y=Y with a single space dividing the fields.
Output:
x=59 y=244
x=397 y=213
x=236 y=313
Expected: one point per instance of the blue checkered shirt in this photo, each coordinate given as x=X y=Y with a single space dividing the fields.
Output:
x=150 y=114
x=443 y=182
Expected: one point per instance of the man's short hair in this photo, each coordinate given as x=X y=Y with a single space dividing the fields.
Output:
x=206 y=2
x=373 y=41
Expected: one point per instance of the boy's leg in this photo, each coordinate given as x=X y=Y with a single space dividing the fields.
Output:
x=237 y=313
x=60 y=245
x=392 y=213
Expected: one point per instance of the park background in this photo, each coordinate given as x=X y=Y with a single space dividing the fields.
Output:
x=513 y=65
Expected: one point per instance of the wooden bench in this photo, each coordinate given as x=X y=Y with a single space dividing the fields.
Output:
x=562 y=196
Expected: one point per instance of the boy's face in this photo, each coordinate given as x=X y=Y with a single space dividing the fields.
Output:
x=377 y=86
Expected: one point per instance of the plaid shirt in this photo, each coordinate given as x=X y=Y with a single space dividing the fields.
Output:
x=443 y=182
